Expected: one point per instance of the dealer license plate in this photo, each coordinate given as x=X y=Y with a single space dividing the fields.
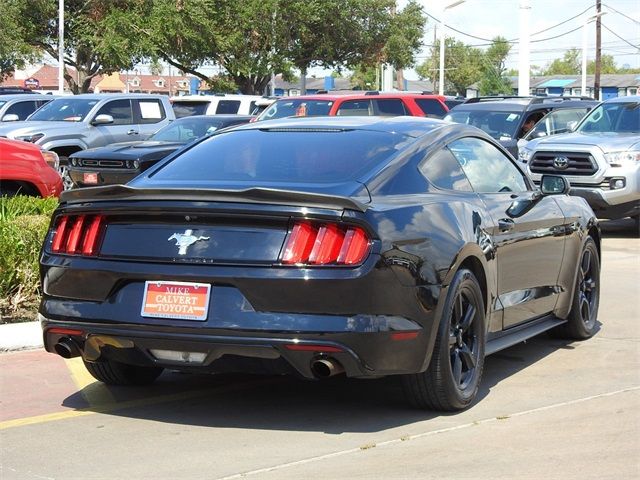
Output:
x=91 y=178
x=180 y=300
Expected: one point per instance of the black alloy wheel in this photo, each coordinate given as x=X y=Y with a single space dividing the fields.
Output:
x=464 y=349
x=452 y=379
x=586 y=297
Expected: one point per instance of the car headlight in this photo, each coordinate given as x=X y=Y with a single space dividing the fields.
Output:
x=618 y=158
x=524 y=154
x=51 y=158
x=30 y=138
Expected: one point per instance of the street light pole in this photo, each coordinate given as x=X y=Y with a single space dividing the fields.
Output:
x=443 y=36
x=583 y=85
x=60 y=47
x=523 y=60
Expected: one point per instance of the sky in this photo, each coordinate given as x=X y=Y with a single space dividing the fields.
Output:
x=490 y=18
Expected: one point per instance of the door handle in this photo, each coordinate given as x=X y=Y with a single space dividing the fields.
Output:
x=132 y=132
x=506 y=224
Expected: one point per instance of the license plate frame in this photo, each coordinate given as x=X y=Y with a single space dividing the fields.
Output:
x=176 y=300
x=90 y=178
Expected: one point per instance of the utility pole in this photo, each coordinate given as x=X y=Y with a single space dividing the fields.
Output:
x=61 y=47
x=596 y=79
x=523 y=57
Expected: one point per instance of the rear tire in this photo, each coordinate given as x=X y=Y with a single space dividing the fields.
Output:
x=453 y=378
x=581 y=322
x=116 y=373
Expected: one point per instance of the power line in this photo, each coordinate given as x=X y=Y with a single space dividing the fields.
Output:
x=620 y=13
x=611 y=31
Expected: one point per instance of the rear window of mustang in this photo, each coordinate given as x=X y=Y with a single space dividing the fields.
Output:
x=284 y=155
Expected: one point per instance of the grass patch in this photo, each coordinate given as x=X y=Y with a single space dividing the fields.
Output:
x=23 y=226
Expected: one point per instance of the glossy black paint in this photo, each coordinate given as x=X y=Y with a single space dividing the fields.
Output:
x=524 y=248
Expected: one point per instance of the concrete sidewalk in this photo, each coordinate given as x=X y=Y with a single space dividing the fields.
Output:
x=20 y=336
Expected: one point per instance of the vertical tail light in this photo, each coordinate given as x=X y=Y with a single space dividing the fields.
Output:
x=77 y=234
x=325 y=244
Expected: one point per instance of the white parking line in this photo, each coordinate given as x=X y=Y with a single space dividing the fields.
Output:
x=425 y=434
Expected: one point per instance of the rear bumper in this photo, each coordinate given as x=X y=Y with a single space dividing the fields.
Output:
x=361 y=354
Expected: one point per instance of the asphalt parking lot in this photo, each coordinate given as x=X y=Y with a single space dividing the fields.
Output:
x=547 y=409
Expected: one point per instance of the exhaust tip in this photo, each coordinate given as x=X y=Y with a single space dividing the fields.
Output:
x=67 y=348
x=326 y=367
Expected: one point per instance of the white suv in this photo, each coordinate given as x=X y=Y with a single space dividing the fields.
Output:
x=601 y=158
x=188 y=105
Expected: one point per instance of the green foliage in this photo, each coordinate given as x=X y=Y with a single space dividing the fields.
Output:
x=463 y=66
x=494 y=80
x=607 y=65
x=23 y=226
x=569 y=64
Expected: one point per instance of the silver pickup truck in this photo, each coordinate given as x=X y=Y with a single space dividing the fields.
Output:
x=600 y=158
x=70 y=124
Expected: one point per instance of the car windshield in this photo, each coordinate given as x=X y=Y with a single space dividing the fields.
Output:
x=187 y=129
x=296 y=108
x=615 y=117
x=283 y=155
x=500 y=125
x=64 y=109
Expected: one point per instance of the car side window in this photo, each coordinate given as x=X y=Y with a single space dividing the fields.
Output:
x=355 y=108
x=432 y=107
x=443 y=170
x=390 y=107
x=228 y=106
x=149 y=111
x=22 y=109
x=487 y=168
x=120 y=110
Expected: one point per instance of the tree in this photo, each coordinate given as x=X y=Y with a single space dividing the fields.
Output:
x=463 y=66
x=494 y=79
x=569 y=64
x=607 y=65
x=29 y=29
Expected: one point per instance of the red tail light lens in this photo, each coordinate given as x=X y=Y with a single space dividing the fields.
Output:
x=78 y=234
x=326 y=244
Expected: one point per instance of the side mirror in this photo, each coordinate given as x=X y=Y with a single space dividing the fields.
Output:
x=571 y=126
x=540 y=134
x=102 y=120
x=554 y=185
x=10 y=117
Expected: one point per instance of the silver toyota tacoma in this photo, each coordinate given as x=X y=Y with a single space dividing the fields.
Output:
x=70 y=124
x=600 y=158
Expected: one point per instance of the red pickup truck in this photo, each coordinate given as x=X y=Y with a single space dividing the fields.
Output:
x=26 y=169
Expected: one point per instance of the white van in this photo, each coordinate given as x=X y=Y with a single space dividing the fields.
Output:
x=188 y=105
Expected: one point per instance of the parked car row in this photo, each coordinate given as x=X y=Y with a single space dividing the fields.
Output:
x=119 y=121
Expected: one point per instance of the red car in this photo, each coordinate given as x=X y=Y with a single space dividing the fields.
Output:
x=26 y=169
x=367 y=104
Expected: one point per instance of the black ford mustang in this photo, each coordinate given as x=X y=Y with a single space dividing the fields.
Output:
x=317 y=246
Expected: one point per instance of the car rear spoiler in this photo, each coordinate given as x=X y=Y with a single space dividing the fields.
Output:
x=249 y=195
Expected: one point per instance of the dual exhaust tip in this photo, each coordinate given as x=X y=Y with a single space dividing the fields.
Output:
x=326 y=367
x=67 y=348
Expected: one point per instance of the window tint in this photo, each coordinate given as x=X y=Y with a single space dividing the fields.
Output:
x=355 y=108
x=557 y=121
x=443 y=170
x=187 y=109
x=271 y=155
x=187 y=129
x=22 y=109
x=390 y=107
x=120 y=110
x=613 y=117
x=486 y=167
x=150 y=111
x=431 y=106
x=228 y=106
x=500 y=125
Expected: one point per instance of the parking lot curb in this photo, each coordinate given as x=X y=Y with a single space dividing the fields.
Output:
x=20 y=336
